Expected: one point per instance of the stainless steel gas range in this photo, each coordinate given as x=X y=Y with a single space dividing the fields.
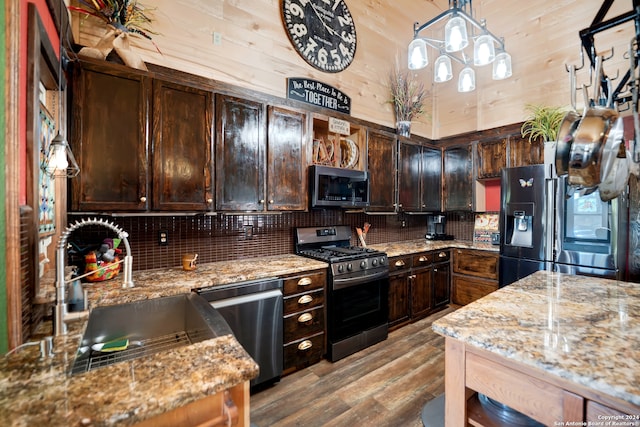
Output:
x=357 y=288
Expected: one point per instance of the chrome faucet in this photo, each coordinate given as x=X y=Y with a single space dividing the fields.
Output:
x=62 y=316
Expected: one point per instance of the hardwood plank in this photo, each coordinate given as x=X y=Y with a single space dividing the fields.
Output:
x=384 y=385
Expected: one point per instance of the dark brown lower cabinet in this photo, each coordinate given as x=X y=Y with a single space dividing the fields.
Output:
x=418 y=286
x=304 y=320
x=475 y=274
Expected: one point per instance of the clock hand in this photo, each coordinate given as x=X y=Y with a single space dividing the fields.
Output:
x=331 y=30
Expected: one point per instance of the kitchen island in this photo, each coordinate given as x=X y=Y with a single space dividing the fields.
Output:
x=40 y=391
x=558 y=348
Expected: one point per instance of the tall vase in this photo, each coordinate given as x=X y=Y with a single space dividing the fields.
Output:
x=403 y=128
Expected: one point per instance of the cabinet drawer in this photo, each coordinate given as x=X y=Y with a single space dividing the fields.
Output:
x=302 y=353
x=399 y=263
x=423 y=259
x=303 y=301
x=469 y=289
x=303 y=283
x=476 y=263
x=303 y=324
x=441 y=256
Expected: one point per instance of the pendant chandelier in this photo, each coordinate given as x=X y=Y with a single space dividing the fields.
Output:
x=487 y=48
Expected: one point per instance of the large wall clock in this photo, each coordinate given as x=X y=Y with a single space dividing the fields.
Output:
x=322 y=32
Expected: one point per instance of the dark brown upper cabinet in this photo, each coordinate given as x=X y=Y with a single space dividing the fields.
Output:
x=182 y=147
x=259 y=169
x=123 y=165
x=286 y=166
x=524 y=153
x=492 y=158
x=458 y=178
x=381 y=162
x=240 y=154
x=419 y=178
x=110 y=139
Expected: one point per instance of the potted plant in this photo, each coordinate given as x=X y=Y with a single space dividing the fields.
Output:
x=408 y=96
x=542 y=123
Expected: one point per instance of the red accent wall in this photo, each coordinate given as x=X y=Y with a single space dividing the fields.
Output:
x=492 y=195
x=50 y=28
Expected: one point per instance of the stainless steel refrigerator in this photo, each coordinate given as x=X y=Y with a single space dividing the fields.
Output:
x=547 y=225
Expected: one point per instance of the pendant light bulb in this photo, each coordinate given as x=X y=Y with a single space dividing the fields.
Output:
x=455 y=35
x=418 y=57
x=442 y=69
x=467 y=80
x=483 y=51
x=502 y=66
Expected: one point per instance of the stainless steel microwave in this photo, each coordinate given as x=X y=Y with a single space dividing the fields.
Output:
x=337 y=187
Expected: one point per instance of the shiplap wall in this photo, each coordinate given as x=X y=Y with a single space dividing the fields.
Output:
x=540 y=35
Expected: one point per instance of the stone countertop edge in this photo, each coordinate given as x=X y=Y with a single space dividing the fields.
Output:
x=582 y=329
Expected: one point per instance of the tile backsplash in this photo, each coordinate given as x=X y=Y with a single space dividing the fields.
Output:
x=228 y=237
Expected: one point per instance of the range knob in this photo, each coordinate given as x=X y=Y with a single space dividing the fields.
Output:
x=349 y=267
x=363 y=265
x=340 y=268
x=374 y=262
x=383 y=260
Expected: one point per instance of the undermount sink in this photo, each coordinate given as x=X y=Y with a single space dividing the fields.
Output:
x=151 y=326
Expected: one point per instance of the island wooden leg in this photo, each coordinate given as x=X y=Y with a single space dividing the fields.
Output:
x=455 y=402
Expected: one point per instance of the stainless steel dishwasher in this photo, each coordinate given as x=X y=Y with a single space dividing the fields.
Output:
x=254 y=311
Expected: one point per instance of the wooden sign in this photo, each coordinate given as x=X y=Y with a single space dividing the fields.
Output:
x=342 y=127
x=319 y=94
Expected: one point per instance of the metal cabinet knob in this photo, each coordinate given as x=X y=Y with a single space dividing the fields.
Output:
x=143 y=199
x=261 y=201
x=305 y=281
x=271 y=201
x=305 y=345
x=305 y=317
x=209 y=200
x=305 y=299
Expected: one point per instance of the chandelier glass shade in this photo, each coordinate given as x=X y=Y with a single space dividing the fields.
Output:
x=460 y=29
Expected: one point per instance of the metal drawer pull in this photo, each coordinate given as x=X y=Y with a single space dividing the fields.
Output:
x=399 y=263
x=305 y=299
x=304 y=318
x=442 y=254
x=305 y=345
x=305 y=281
x=423 y=259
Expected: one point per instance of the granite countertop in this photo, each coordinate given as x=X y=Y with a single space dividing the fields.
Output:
x=36 y=391
x=423 y=245
x=583 y=329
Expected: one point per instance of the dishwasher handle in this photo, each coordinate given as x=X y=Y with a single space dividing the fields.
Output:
x=244 y=299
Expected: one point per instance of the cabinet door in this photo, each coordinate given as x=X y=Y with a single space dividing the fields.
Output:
x=492 y=158
x=182 y=147
x=409 y=178
x=441 y=286
x=381 y=162
x=286 y=178
x=421 y=291
x=240 y=154
x=458 y=178
x=431 y=179
x=524 y=153
x=476 y=263
x=398 y=300
x=110 y=113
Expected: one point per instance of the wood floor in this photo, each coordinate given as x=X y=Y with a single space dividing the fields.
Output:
x=384 y=385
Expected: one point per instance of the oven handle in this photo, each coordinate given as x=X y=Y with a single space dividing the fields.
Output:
x=353 y=281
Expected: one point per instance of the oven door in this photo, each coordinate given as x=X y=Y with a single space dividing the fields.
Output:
x=357 y=306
